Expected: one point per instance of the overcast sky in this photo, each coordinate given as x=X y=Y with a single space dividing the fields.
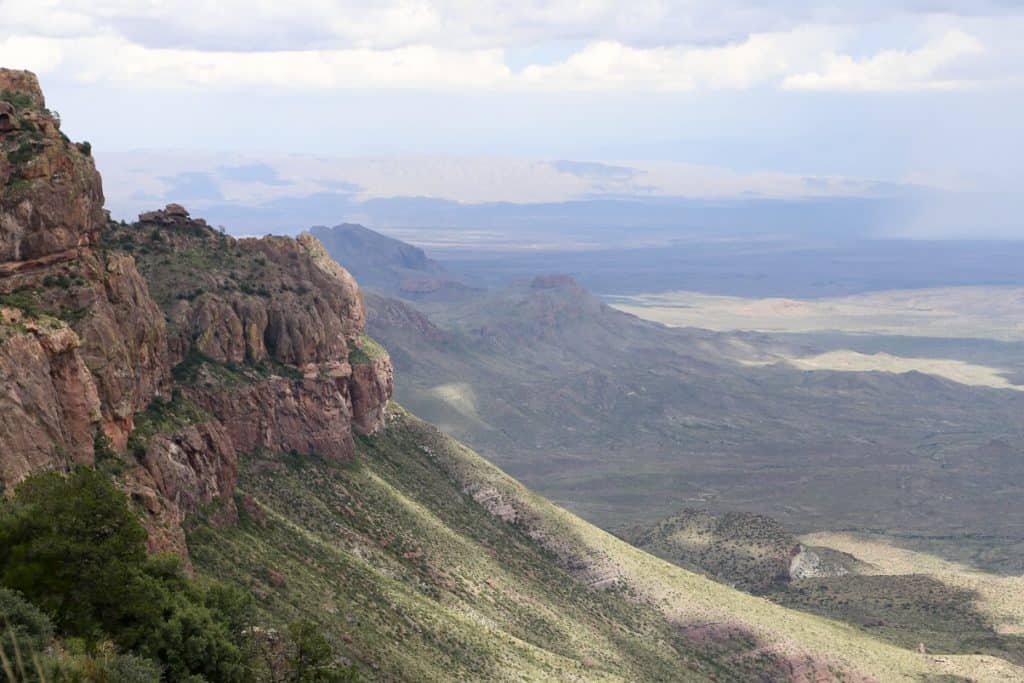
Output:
x=923 y=92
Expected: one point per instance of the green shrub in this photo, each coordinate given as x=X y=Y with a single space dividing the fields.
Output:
x=365 y=351
x=24 y=153
x=301 y=654
x=62 y=281
x=17 y=99
x=25 y=630
x=71 y=546
x=163 y=416
x=24 y=300
x=103 y=665
x=312 y=657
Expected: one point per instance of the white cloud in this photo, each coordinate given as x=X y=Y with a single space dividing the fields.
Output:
x=42 y=55
x=114 y=60
x=759 y=59
x=921 y=69
x=641 y=45
x=272 y=25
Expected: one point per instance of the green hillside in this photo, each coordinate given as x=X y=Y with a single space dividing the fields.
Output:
x=422 y=561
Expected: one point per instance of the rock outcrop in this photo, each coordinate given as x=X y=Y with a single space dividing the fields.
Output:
x=279 y=414
x=49 y=406
x=52 y=267
x=371 y=388
x=266 y=328
x=164 y=344
x=53 y=197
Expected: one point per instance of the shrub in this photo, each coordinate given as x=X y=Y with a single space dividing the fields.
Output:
x=26 y=629
x=24 y=153
x=24 y=300
x=103 y=665
x=17 y=99
x=71 y=546
x=299 y=655
x=62 y=281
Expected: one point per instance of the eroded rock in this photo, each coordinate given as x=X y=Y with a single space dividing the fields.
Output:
x=49 y=406
x=251 y=337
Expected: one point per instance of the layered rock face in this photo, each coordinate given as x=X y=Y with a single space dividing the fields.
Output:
x=262 y=331
x=47 y=220
x=163 y=345
x=50 y=404
x=66 y=287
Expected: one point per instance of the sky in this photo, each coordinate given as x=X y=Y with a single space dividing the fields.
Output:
x=509 y=101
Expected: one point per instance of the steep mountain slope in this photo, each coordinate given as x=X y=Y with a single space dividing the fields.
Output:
x=228 y=386
x=453 y=571
x=389 y=265
x=625 y=421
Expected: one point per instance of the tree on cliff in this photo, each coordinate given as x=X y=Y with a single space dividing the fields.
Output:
x=71 y=545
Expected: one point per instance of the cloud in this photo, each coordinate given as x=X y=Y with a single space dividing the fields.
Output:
x=29 y=52
x=298 y=25
x=754 y=61
x=921 y=69
x=113 y=60
x=654 y=45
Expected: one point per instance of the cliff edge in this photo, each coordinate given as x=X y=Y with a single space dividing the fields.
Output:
x=162 y=349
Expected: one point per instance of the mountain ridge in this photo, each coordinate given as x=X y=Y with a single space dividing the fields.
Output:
x=390 y=265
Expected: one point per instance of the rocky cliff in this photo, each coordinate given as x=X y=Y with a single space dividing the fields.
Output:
x=162 y=349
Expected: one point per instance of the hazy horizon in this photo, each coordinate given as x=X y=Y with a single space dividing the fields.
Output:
x=542 y=103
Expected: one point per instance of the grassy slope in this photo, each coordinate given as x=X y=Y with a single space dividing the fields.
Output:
x=912 y=596
x=904 y=597
x=406 y=558
x=749 y=552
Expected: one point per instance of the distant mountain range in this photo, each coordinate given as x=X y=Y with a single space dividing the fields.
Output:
x=623 y=420
x=389 y=265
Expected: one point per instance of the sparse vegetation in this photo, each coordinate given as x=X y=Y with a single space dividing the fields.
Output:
x=438 y=588
x=365 y=351
x=163 y=416
x=750 y=552
x=24 y=153
x=17 y=99
x=24 y=300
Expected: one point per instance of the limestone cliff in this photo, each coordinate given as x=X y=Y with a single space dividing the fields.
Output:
x=163 y=349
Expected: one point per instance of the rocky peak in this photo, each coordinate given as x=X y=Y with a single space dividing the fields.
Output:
x=52 y=196
x=22 y=83
x=165 y=344
x=555 y=281
x=559 y=298
x=169 y=215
